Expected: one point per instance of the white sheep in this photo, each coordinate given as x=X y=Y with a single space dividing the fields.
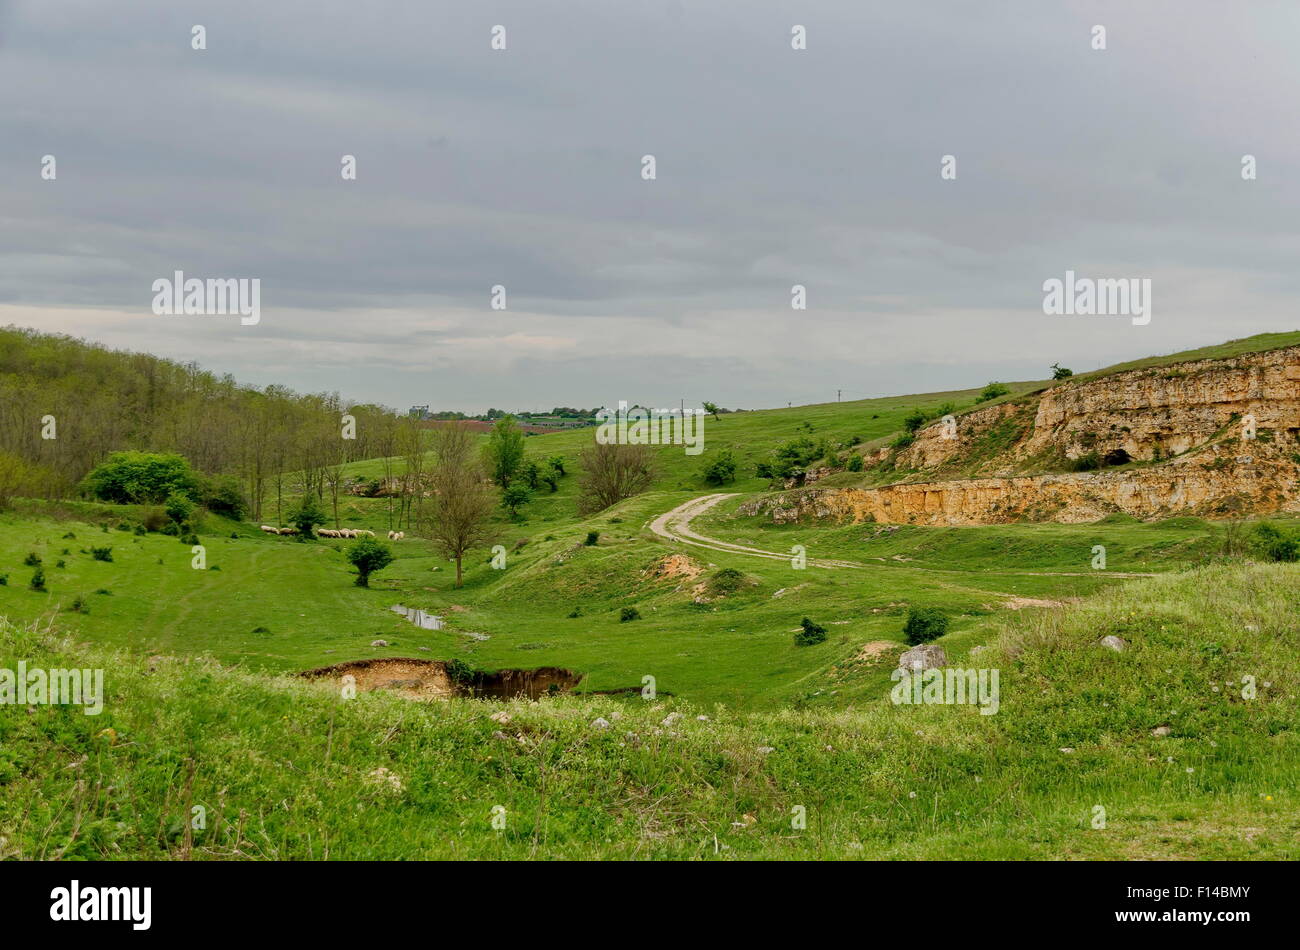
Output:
x=268 y=529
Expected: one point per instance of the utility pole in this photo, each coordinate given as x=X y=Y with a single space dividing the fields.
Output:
x=838 y=394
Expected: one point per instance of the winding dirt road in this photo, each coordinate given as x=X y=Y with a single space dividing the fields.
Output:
x=675 y=525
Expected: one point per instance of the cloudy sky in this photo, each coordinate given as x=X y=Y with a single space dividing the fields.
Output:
x=522 y=168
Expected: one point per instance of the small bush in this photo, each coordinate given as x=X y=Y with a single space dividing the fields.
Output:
x=592 y=538
x=4 y=580
x=992 y=391
x=460 y=672
x=32 y=560
x=628 y=613
x=1273 y=545
x=102 y=554
x=812 y=633
x=140 y=530
x=924 y=624
x=104 y=591
x=79 y=606
x=38 y=579
x=575 y=612
x=855 y=463
x=60 y=563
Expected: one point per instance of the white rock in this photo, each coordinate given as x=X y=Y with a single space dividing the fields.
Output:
x=1112 y=642
x=600 y=723
x=927 y=656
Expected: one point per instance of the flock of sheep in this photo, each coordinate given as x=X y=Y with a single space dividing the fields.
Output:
x=337 y=532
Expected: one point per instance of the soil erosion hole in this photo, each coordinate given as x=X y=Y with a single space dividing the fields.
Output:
x=431 y=679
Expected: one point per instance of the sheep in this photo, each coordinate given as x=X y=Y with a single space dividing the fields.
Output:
x=327 y=533
x=268 y=529
x=288 y=531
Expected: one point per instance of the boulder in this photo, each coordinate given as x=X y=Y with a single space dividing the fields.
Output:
x=1112 y=642
x=927 y=656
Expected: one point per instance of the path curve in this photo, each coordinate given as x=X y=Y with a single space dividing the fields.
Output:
x=675 y=525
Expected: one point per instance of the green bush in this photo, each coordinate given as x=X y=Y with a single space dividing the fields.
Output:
x=179 y=508
x=592 y=538
x=1271 y=544
x=102 y=554
x=628 y=613
x=222 y=495
x=992 y=391
x=307 y=516
x=924 y=624
x=811 y=634
x=368 y=555
x=141 y=478
x=855 y=463
x=722 y=469
x=38 y=579
x=32 y=560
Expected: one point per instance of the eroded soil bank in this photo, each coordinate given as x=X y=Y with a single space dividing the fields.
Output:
x=431 y=679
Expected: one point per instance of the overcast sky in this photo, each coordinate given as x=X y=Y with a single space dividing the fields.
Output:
x=522 y=168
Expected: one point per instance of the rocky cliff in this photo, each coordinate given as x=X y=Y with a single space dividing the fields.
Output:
x=1190 y=418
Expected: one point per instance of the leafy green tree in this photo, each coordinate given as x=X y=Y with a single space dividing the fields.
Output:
x=141 y=477
x=556 y=462
x=504 y=451
x=368 y=555
x=531 y=473
x=514 y=498
x=712 y=409
x=308 y=515
x=1060 y=372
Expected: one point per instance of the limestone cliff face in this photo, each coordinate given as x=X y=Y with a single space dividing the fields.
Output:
x=1146 y=413
x=1189 y=414
x=1219 y=482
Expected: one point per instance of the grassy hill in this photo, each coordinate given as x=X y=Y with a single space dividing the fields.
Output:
x=285 y=769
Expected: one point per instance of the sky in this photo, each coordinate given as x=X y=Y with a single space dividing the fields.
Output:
x=522 y=167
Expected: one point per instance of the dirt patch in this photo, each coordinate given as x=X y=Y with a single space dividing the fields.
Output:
x=1020 y=603
x=674 y=567
x=873 y=652
x=430 y=679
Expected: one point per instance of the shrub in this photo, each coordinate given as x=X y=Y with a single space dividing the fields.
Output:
x=1273 y=545
x=154 y=519
x=855 y=463
x=592 y=538
x=179 y=508
x=1060 y=372
x=460 y=672
x=4 y=580
x=140 y=530
x=368 y=555
x=812 y=633
x=38 y=579
x=628 y=613
x=32 y=560
x=924 y=624
x=307 y=516
x=79 y=606
x=722 y=469
x=992 y=391
x=60 y=563
x=102 y=554
x=221 y=495
x=914 y=420
x=903 y=441
x=190 y=539
x=1087 y=462
x=141 y=477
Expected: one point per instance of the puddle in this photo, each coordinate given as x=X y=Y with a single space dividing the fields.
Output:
x=429 y=679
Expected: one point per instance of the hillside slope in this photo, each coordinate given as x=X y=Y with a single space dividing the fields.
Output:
x=283 y=769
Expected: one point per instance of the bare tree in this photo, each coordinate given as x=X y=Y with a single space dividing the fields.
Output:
x=612 y=472
x=462 y=501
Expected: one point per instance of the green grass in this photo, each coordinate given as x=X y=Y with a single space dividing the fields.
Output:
x=286 y=769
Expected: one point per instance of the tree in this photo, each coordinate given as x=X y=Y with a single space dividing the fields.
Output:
x=368 y=555
x=179 y=508
x=504 y=451
x=307 y=515
x=1060 y=372
x=531 y=473
x=556 y=462
x=462 y=500
x=722 y=469
x=712 y=409
x=514 y=498
x=612 y=472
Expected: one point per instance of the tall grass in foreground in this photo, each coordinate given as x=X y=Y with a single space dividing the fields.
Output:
x=283 y=769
